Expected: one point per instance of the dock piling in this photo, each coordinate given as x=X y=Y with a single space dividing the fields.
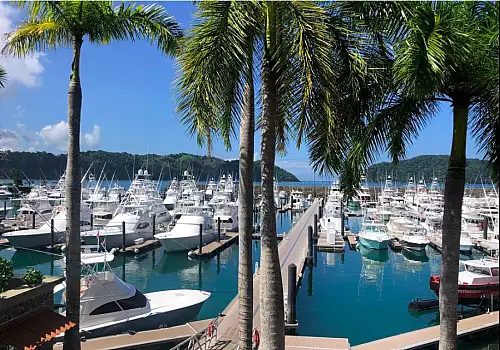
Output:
x=123 y=235
x=52 y=233
x=218 y=229
x=201 y=239
x=309 y=243
x=154 y=224
x=320 y=211
x=33 y=221
x=342 y=221
x=485 y=228
x=291 y=296
x=91 y=221
x=315 y=226
x=5 y=209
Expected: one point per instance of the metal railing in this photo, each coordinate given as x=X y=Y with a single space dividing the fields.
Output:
x=203 y=339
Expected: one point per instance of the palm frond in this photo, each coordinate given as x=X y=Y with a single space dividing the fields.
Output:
x=3 y=77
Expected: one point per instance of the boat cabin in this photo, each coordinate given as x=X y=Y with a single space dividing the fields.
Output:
x=478 y=272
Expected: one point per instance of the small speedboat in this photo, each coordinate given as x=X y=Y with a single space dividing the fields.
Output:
x=476 y=279
x=374 y=235
x=111 y=306
x=414 y=238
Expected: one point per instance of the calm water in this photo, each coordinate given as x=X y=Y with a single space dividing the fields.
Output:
x=363 y=295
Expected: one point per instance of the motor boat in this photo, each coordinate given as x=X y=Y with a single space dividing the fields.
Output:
x=396 y=226
x=171 y=195
x=41 y=209
x=42 y=237
x=4 y=192
x=110 y=306
x=228 y=215
x=297 y=200
x=185 y=235
x=466 y=244
x=477 y=279
x=374 y=235
x=414 y=238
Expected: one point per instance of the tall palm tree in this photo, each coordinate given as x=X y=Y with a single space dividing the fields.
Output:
x=54 y=24
x=3 y=77
x=444 y=52
x=294 y=47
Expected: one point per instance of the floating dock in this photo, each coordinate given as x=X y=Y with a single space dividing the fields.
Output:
x=139 y=248
x=426 y=337
x=324 y=246
x=352 y=240
x=215 y=247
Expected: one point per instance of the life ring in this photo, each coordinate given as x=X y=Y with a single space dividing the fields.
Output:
x=211 y=328
x=256 y=338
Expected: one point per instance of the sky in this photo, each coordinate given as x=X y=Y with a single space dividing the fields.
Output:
x=128 y=103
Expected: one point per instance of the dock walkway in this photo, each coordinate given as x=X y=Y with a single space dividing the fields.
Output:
x=430 y=336
x=291 y=250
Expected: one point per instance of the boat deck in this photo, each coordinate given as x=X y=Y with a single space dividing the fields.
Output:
x=429 y=336
x=324 y=246
x=292 y=249
x=214 y=247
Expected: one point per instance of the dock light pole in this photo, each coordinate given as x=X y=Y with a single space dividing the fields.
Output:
x=123 y=236
x=218 y=229
x=291 y=310
x=201 y=239
x=309 y=243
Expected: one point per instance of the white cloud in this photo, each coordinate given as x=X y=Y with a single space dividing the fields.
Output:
x=256 y=156
x=10 y=140
x=56 y=135
x=91 y=140
x=26 y=70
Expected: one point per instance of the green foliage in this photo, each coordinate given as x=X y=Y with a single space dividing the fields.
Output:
x=15 y=175
x=34 y=165
x=427 y=166
x=6 y=272
x=33 y=277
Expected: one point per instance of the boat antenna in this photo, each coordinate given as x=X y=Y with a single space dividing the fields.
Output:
x=99 y=179
x=128 y=174
x=133 y=168
x=159 y=179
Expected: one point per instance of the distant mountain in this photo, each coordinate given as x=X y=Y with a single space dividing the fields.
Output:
x=427 y=166
x=35 y=164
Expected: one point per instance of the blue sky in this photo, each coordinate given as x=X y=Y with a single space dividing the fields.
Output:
x=128 y=102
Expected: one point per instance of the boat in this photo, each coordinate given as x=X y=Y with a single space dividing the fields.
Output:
x=171 y=195
x=4 y=192
x=41 y=209
x=42 y=237
x=110 y=306
x=185 y=235
x=414 y=238
x=477 y=279
x=374 y=235
x=466 y=244
x=396 y=225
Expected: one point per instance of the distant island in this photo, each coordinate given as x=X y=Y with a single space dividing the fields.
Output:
x=37 y=165
x=427 y=166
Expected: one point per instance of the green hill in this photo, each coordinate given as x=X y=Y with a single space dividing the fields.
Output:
x=34 y=164
x=427 y=166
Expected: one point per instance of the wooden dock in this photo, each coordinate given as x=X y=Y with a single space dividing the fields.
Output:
x=215 y=247
x=352 y=240
x=143 y=339
x=324 y=246
x=291 y=250
x=139 y=248
x=435 y=243
x=430 y=336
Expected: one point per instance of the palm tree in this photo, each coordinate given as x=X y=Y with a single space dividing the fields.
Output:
x=294 y=47
x=53 y=24
x=444 y=52
x=3 y=77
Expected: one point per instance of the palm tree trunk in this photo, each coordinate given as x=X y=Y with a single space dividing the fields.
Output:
x=245 y=219
x=453 y=197
x=209 y=144
x=272 y=325
x=73 y=194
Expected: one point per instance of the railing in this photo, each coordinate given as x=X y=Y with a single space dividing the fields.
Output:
x=201 y=340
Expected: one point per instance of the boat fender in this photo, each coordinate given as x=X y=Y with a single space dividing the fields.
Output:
x=211 y=328
x=136 y=251
x=256 y=338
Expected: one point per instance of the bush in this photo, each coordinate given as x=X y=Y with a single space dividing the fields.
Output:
x=33 y=277
x=6 y=272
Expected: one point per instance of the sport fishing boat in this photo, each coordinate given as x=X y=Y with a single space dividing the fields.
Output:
x=414 y=238
x=4 y=192
x=476 y=279
x=111 y=306
x=185 y=235
x=396 y=226
x=374 y=235
x=42 y=237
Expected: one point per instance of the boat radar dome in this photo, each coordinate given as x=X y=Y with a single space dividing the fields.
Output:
x=186 y=173
x=146 y=172
x=140 y=172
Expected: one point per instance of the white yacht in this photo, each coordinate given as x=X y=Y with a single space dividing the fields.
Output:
x=228 y=214
x=414 y=238
x=110 y=306
x=185 y=235
x=41 y=209
x=297 y=200
x=41 y=237
x=171 y=195
x=4 y=192
x=374 y=236
x=396 y=226
x=211 y=189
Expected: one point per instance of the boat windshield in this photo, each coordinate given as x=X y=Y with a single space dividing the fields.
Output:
x=479 y=270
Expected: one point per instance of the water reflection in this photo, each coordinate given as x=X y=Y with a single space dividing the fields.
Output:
x=174 y=263
x=414 y=255
x=381 y=255
x=372 y=269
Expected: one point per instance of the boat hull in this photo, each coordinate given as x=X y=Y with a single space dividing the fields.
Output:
x=413 y=246
x=373 y=244
x=114 y=240
x=24 y=239
x=182 y=244
x=470 y=292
